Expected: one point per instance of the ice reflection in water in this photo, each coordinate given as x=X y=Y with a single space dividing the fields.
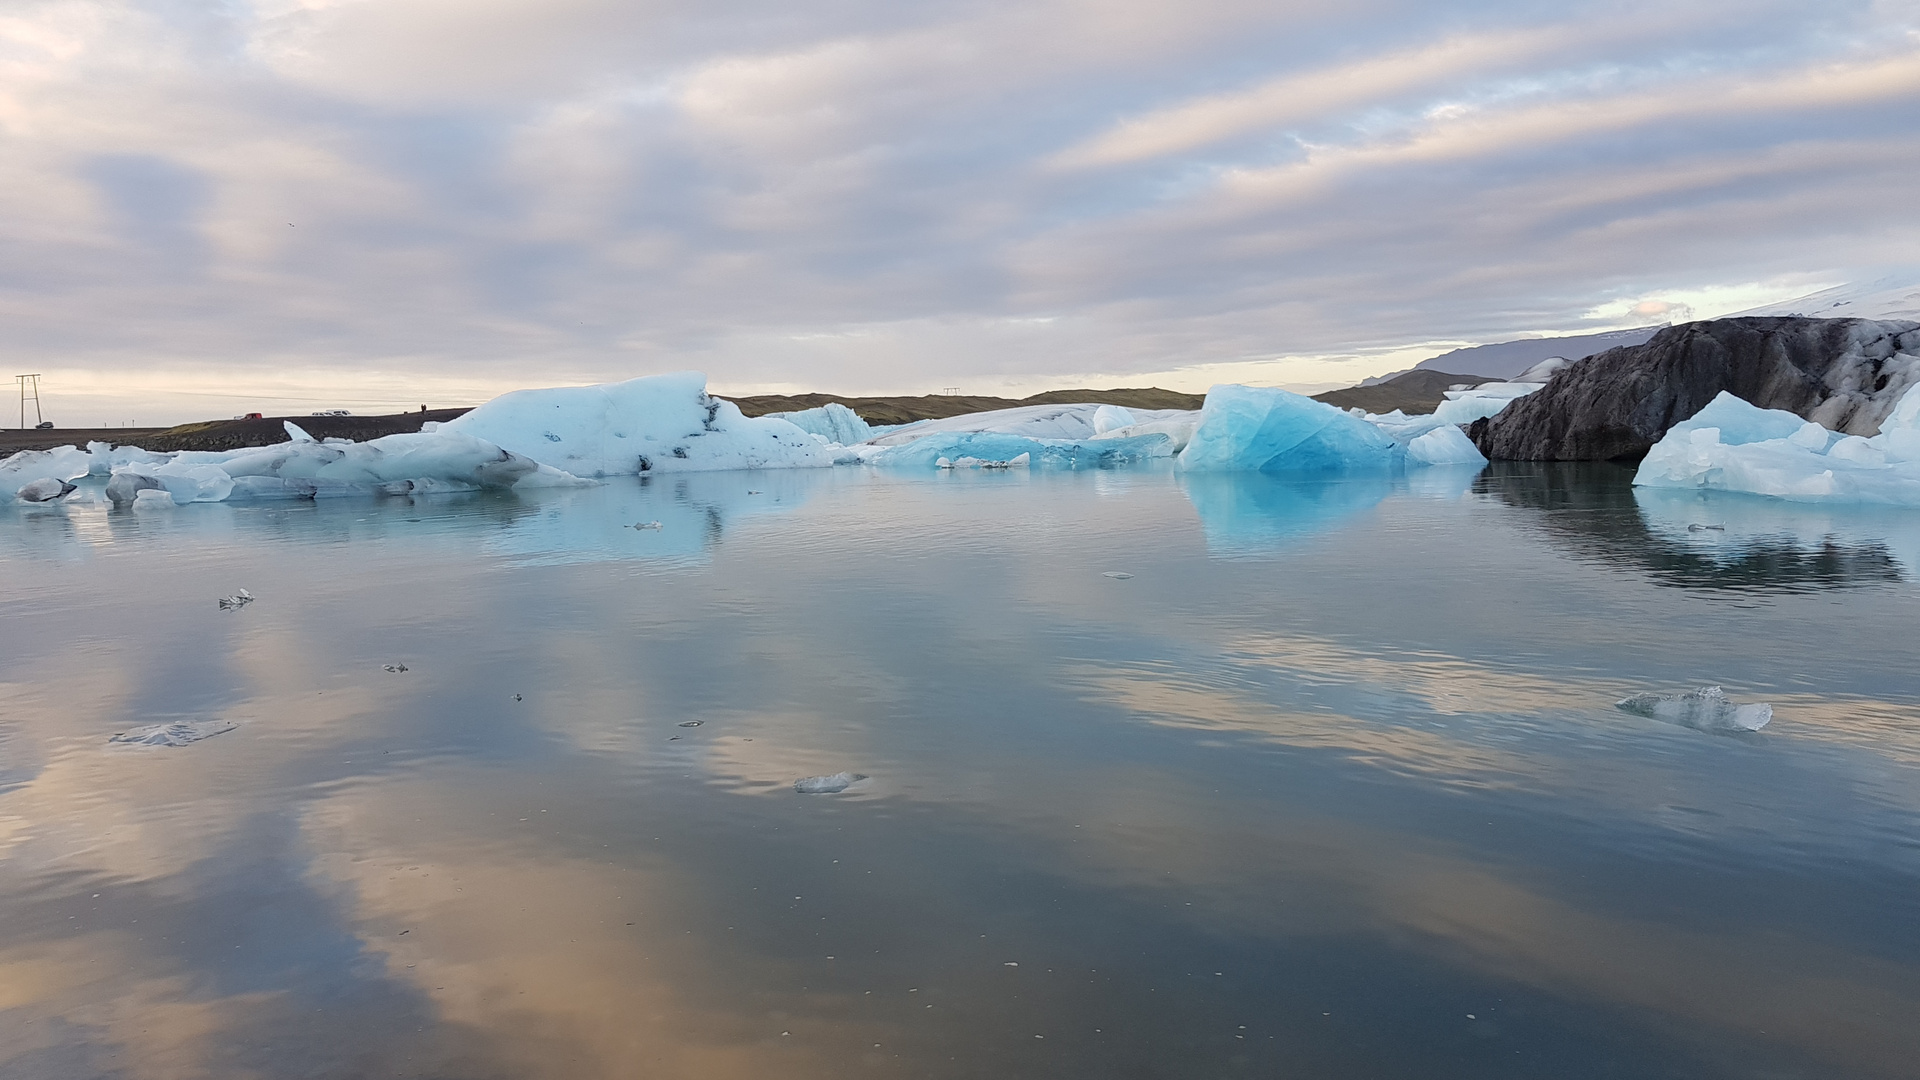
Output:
x=1299 y=810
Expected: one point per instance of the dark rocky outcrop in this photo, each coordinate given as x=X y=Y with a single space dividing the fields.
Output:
x=1843 y=373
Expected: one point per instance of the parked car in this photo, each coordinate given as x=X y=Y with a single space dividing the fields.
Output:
x=43 y=425
x=333 y=412
x=250 y=416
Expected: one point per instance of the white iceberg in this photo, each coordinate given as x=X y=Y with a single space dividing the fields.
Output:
x=423 y=462
x=1732 y=445
x=1487 y=399
x=833 y=422
x=1069 y=435
x=29 y=467
x=660 y=423
x=1705 y=709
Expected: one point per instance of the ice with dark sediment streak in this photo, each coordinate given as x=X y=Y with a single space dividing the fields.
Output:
x=174 y=733
x=45 y=489
x=1705 y=709
x=827 y=785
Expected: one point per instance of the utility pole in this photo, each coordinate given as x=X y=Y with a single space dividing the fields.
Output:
x=29 y=383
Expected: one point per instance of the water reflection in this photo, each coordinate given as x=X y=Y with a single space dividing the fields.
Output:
x=1347 y=808
x=1256 y=513
x=1706 y=540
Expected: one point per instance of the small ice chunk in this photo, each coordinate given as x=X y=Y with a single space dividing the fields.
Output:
x=1697 y=527
x=152 y=499
x=649 y=525
x=241 y=598
x=691 y=723
x=827 y=785
x=45 y=489
x=1117 y=575
x=395 y=667
x=176 y=733
x=1705 y=709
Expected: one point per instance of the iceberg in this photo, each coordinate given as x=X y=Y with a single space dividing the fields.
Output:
x=658 y=423
x=29 y=467
x=1070 y=436
x=1705 y=709
x=410 y=463
x=1731 y=445
x=1253 y=428
x=833 y=422
x=988 y=449
x=1485 y=400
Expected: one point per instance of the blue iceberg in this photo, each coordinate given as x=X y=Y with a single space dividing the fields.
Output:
x=1253 y=428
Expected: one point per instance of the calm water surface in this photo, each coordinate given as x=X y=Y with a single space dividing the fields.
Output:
x=1331 y=786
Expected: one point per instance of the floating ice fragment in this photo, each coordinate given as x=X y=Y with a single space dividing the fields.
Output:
x=1705 y=709
x=176 y=733
x=827 y=785
x=45 y=489
x=649 y=525
x=1706 y=528
x=395 y=667
x=240 y=598
x=691 y=723
x=1117 y=575
x=152 y=499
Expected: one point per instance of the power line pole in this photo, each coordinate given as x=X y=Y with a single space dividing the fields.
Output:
x=26 y=382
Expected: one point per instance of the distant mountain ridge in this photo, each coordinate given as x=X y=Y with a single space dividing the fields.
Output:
x=1506 y=359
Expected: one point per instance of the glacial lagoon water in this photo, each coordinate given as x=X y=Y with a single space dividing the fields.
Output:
x=1332 y=785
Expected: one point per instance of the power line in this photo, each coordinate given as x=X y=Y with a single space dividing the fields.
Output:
x=26 y=382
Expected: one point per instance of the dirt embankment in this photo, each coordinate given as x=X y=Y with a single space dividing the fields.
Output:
x=1418 y=391
x=905 y=410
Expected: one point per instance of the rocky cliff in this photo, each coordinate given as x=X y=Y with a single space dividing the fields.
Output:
x=1845 y=374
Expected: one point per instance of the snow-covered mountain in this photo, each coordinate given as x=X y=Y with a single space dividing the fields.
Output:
x=1507 y=359
x=1887 y=298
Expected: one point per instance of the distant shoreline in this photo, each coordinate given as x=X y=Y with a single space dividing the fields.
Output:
x=265 y=431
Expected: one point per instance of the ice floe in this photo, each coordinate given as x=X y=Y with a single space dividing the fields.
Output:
x=175 y=733
x=827 y=785
x=1705 y=709
x=655 y=424
x=1487 y=399
x=1732 y=445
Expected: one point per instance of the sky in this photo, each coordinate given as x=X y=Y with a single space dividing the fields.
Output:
x=290 y=205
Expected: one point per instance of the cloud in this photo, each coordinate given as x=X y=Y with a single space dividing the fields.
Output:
x=883 y=198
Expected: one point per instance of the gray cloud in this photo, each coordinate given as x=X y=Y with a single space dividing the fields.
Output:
x=310 y=198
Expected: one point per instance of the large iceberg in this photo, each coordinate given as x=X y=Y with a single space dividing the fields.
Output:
x=1734 y=446
x=659 y=423
x=1251 y=428
x=409 y=463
